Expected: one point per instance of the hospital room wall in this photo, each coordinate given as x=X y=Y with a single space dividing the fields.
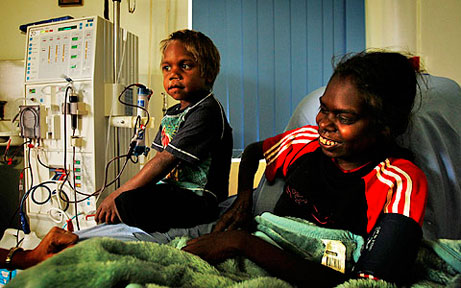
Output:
x=426 y=28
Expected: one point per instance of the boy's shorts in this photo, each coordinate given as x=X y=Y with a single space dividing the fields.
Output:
x=161 y=207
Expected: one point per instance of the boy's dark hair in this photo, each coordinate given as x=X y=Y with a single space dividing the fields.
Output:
x=205 y=53
x=387 y=82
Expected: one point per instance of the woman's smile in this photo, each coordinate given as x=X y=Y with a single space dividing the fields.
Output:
x=327 y=143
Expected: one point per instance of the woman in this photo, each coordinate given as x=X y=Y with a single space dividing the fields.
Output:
x=346 y=173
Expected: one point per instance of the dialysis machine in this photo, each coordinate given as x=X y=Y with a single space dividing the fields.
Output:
x=72 y=92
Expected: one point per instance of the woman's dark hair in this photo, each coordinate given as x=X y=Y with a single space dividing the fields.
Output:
x=387 y=82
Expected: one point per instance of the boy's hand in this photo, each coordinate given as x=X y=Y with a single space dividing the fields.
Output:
x=239 y=215
x=107 y=211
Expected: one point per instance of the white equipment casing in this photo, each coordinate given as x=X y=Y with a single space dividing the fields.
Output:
x=79 y=49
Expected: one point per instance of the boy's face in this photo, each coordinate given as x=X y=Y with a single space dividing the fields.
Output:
x=181 y=74
x=347 y=133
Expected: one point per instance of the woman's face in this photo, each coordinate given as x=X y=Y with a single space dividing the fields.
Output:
x=346 y=130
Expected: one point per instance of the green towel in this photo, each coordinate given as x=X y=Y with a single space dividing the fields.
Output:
x=306 y=239
x=438 y=263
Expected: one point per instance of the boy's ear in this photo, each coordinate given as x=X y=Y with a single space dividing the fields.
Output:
x=386 y=132
x=209 y=82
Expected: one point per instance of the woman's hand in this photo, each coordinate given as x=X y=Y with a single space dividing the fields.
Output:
x=55 y=241
x=217 y=247
x=239 y=215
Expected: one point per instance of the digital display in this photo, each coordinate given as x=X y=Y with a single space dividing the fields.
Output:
x=67 y=28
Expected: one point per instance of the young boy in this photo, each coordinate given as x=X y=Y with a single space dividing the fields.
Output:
x=182 y=185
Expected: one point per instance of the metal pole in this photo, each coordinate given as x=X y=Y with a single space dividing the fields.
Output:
x=116 y=48
x=116 y=68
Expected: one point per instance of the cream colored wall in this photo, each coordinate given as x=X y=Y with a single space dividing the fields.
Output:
x=152 y=21
x=234 y=175
x=428 y=28
x=441 y=37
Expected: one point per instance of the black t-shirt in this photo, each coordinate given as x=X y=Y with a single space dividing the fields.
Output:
x=201 y=137
x=318 y=191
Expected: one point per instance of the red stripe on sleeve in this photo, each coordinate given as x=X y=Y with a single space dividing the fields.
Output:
x=396 y=186
x=282 y=150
